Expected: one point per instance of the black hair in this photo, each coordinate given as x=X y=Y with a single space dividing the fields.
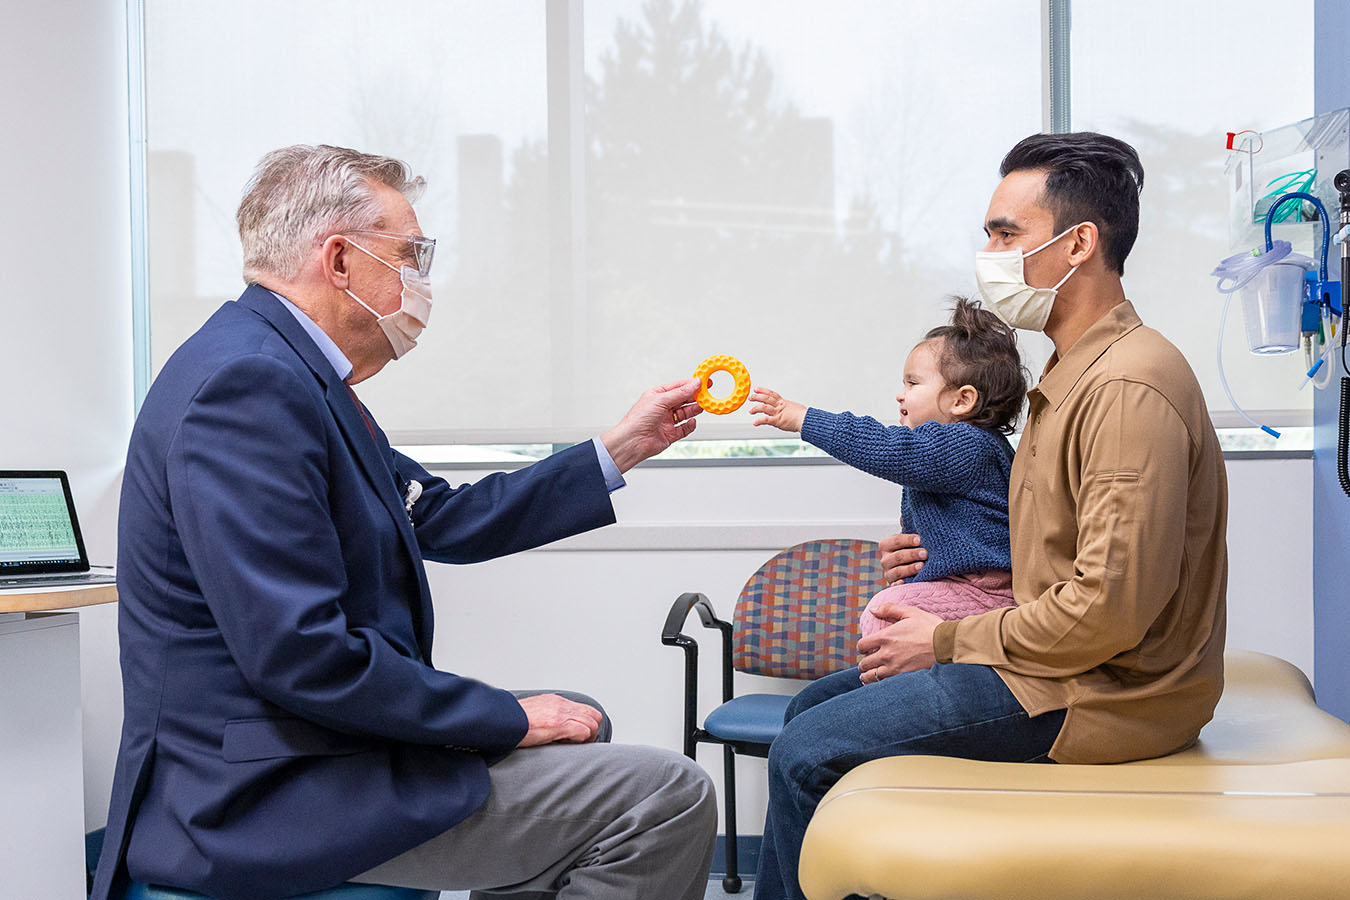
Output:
x=1089 y=177
x=980 y=349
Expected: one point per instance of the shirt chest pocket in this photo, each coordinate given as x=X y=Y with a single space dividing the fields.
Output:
x=1028 y=537
x=1045 y=530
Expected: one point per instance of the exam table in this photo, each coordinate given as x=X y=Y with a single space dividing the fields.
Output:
x=1258 y=808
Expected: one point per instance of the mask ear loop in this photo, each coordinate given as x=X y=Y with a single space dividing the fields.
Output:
x=1072 y=269
x=1060 y=284
x=373 y=256
x=1052 y=240
x=363 y=303
x=367 y=306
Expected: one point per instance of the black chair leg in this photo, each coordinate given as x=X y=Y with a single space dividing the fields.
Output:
x=732 y=882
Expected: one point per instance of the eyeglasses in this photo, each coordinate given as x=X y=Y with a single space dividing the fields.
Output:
x=424 y=248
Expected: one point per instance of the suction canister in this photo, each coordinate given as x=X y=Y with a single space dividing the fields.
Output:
x=1272 y=305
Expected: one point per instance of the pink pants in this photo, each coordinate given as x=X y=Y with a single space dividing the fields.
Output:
x=950 y=598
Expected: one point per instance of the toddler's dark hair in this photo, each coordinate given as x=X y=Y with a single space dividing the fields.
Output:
x=980 y=349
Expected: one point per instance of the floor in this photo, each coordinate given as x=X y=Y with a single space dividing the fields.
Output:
x=715 y=892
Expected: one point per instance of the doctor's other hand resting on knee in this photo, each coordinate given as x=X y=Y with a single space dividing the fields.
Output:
x=555 y=719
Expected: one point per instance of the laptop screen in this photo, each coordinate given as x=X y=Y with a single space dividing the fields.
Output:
x=38 y=528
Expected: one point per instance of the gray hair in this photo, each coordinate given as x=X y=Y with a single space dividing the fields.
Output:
x=300 y=195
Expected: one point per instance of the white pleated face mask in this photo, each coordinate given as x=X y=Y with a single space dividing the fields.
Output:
x=1004 y=286
x=402 y=326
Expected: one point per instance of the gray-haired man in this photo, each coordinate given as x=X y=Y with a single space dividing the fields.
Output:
x=284 y=727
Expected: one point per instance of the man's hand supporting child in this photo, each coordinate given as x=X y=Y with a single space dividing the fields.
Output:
x=905 y=646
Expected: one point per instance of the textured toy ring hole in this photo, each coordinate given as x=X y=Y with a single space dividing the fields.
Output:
x=720 y=384
x=721 y=406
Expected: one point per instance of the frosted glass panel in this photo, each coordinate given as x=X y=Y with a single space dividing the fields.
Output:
x=456 y=89
x=1172 y=78
x=795 y=183
x=798 y=184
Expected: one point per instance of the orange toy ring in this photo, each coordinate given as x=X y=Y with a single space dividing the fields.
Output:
x=733 y=367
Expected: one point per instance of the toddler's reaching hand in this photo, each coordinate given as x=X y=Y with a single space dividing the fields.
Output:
x=779 y=413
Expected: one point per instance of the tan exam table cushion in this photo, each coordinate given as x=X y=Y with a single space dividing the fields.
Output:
x=1259 y=808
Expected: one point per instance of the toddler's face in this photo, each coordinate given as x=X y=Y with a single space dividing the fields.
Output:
x=920 y=395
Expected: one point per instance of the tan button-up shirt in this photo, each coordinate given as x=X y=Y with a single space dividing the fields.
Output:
x=1118 y=509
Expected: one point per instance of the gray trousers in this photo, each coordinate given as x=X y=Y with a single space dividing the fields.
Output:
x=599 y=821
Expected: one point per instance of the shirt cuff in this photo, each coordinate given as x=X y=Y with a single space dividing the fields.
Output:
x=613 y=477
x=944 y=641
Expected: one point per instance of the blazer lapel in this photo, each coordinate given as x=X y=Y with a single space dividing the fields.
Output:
x=423 y=615
x=373 y=454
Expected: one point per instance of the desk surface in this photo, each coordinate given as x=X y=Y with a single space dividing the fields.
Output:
x=62 y=597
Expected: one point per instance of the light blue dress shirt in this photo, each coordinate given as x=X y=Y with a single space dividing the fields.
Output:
x=343 y=367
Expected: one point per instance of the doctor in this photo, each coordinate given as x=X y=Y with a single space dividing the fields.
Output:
x=284 y=728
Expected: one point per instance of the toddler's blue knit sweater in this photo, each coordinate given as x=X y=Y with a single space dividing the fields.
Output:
x=955 y=478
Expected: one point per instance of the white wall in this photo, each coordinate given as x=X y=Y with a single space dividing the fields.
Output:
x=590 y=619
x=65 y=332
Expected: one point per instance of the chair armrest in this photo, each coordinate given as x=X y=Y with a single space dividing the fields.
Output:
x=679 y=613
x=672 y=636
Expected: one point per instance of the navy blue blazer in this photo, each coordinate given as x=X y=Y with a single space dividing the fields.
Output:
x=284 y=729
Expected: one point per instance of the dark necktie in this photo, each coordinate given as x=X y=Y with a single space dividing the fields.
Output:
x=370 y=426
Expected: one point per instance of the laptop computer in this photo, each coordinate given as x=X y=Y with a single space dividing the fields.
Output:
x=40 y=540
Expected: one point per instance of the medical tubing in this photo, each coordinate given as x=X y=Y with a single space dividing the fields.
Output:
x=1321 y=211
x=1319 y=375
x=1319 y=372
x=1241 y=268
x=1223 y=379
x=1324 y=378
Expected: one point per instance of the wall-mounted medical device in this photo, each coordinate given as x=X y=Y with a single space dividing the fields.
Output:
x=1280 y=184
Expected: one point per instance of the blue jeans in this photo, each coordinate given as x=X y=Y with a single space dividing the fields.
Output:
x=838 y=723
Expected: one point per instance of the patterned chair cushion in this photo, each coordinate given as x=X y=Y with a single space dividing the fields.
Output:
x=797 y=617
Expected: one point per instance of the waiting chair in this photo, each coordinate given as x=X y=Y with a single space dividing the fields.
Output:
x=797 y=617
x=93 y=846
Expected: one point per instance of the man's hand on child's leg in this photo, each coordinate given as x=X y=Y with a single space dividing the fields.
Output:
x=903 y=646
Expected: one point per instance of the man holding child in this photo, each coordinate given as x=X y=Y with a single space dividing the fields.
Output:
x=1117 y=509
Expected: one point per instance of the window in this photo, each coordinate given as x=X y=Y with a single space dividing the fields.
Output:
x=1209 y=71
x=456 y=89
x=621 y=188
x=798 y=188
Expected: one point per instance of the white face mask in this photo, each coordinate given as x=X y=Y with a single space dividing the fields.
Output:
x=403 y=325
x=1005 y=289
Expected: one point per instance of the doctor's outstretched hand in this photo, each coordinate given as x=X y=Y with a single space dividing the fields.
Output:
x=660 y=417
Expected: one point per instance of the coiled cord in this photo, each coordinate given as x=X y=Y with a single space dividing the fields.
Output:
x=1344 y=434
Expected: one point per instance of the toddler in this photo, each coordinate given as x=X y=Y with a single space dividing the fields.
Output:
x=962 y=393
